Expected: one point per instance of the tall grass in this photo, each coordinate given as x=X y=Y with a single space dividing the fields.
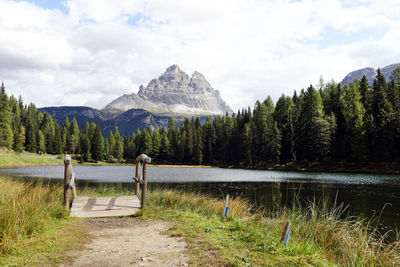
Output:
x=319 y=235
x=349 y=242
x=26 y=209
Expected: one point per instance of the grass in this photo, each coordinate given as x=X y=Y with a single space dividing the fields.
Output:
x=35 y=229
x=318 y=236
x=33 y=225
x=15 y=160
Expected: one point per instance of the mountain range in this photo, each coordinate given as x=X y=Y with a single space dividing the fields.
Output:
x=370 y=73
x=173 y=94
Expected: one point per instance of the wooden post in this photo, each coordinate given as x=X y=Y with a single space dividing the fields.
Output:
x=145 y=160
x=285 y=233
x=67 y=176
x=137 y=176
x=144 y=186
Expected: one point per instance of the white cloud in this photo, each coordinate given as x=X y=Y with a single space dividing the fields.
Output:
x=247 y=49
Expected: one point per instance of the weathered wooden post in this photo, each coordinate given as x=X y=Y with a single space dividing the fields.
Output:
x=137 y=180
x=67 y=177
x=144 y=159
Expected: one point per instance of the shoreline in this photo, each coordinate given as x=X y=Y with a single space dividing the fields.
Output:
x=28 y=159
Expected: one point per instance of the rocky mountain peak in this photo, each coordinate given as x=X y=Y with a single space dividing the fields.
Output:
x=174 y=73
x=198 y=82
x=174 y=93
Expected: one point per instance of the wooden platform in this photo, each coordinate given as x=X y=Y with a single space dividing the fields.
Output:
x=84 y=207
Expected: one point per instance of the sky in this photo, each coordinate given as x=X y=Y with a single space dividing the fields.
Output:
x=78 y=52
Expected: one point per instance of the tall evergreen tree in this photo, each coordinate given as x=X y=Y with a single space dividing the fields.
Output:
x=98 y=145
x=208 y=133
x=315 y=130
x=6 y=134
x=41 y=143
x=353 y=112
x=383 y=114
x=173 y=138
x=283 y=115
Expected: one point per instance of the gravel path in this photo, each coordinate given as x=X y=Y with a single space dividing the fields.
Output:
x=129 y=242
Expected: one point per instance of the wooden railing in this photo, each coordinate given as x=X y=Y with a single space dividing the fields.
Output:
x=69 y=181
x=141 y=179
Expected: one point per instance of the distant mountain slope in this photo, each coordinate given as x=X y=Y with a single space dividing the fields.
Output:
x=128 y=122
x=81 y=113
x=173 y=93
x=370 y=73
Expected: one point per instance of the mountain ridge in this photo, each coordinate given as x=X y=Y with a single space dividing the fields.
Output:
x=173 y=93
x=370 y=73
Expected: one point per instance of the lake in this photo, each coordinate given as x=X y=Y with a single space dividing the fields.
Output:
x=365 y=194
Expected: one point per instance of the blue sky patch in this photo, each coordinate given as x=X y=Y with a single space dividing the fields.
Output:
x=48 y=4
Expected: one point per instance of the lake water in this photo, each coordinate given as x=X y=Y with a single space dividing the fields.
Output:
x=365 y=194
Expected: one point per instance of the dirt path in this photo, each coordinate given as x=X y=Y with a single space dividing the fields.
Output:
x=127 y=241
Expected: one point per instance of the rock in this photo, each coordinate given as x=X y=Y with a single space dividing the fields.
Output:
x=173 y=93
x=370 y=73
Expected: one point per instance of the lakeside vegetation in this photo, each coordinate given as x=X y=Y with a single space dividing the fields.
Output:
x=33 y=225
x=31 y=213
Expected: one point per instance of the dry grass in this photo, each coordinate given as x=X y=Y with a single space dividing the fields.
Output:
x=25 y=211
x=317 y=230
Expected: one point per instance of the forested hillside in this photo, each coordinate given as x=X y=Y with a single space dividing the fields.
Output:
x=354 y=123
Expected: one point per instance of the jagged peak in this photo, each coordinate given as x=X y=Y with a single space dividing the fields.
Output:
x=198 y=75
x=173 y=72
x=173 y=68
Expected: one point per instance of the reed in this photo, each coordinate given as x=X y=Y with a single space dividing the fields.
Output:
x=319 y=234
x=26 y=210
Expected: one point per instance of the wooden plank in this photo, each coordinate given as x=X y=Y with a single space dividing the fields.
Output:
x=84 y=207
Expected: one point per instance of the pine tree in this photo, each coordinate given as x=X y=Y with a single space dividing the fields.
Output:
x=165 y=145
x=41 y=149
x=111 y=144
x=173 y=138
x=85 y=144
x=198 y=146
x=383 y=115
x=6 y=134
x=314 y=130
x=21 y=140
x=119 y=149
x=354 y=112
x=32 y=128
x=98 y=145
x=208 y=133
x=107 y=150
x=15 y=122
x=156 y=143
x=72 y=136
x=58 y=144
x=394 y=90
x=147 y=142
x=187 y=141
x=283 y=115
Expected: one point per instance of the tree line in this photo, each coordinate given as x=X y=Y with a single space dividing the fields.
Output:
x=355 y=123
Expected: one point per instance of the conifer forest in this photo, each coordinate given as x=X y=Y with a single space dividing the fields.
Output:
x=356 y=123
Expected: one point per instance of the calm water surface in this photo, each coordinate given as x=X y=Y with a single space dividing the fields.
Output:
x=365 y=194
